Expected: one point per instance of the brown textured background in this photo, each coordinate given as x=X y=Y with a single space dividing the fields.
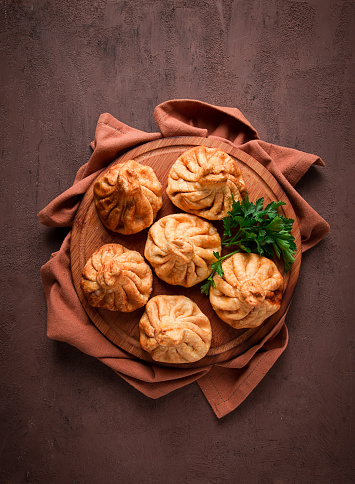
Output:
x=289 y=67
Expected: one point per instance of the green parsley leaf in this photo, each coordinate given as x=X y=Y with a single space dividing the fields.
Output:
x=205 y=288
x=251 y=228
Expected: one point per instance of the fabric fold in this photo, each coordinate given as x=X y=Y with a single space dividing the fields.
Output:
x=228 y=384
x=182 y=117
x=225 y=385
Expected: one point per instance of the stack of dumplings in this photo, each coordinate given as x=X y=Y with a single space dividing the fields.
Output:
x=180 y=249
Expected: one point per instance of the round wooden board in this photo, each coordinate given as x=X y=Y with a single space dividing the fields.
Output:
x=89 y=234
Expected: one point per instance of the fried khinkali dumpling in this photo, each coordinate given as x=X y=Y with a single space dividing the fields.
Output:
x=249 y=292
x=203 y=181
x=117 y=279
x=127 y=197
x=174 y=330
x=180 y=248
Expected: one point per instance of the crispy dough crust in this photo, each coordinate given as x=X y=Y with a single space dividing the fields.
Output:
x=249 y=292
x=117 y=279
x=174 y=330
x=180 y=248
x=203 y=181
x=127 y=197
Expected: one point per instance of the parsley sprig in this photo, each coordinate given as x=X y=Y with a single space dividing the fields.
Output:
x=252 y=228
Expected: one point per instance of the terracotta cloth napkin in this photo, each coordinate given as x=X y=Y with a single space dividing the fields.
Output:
x=224 y=385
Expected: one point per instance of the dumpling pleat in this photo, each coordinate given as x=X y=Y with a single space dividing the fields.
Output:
x=202 y=181
x=122 y=279
x=127 y=197
x=249 y=292
x=180 y=248
x=182 y=333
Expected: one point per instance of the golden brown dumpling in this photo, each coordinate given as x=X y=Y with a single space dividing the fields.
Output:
x=127 y=197
x=117 y=279
x=203 y=181
x=180 y=248
x=249 y=292
x=174 y=330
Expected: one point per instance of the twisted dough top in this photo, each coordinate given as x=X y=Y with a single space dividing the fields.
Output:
x=117 y=279
x=127 y=197
x=203 y=181
x=174 y=330
x=249 y=292
x=180 y=248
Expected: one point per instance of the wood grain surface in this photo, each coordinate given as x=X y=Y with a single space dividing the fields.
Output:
x=89 y=234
